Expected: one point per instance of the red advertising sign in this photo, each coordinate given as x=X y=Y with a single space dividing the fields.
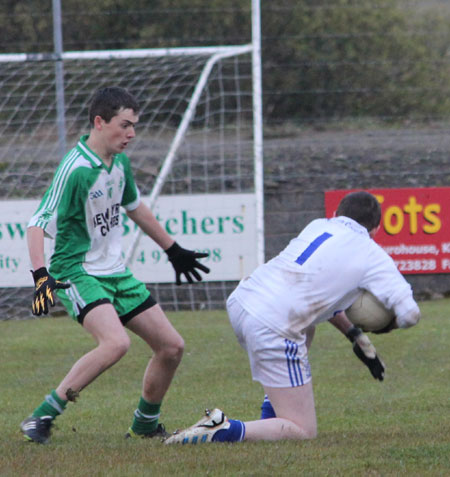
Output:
x=415 y=226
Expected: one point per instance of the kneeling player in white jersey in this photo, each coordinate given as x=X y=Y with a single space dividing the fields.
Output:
x=274 y=312
x=81 y=211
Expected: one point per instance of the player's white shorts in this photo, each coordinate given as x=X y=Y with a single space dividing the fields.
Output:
x=274 y=360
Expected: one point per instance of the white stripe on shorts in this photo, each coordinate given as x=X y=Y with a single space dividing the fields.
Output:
x=77 y=301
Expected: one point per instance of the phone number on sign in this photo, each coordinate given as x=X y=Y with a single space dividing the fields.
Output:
x=416 y=265
x=156 y=256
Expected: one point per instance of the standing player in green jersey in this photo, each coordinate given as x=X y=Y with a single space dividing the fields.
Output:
x=80 y=211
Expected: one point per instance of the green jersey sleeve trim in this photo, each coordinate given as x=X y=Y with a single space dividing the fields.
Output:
x=45 y=216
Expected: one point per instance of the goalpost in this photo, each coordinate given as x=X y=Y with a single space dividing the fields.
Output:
x=199 y=137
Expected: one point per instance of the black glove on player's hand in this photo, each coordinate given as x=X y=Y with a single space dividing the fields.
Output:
x=185 y=262
x=44 y=284
x=366 y=352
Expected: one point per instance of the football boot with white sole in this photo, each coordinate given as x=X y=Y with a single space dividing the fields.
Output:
x=201 y=432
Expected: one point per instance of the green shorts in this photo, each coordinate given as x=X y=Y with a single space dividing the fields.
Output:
x=128 y=295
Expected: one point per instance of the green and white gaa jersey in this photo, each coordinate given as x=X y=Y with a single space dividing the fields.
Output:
x=81 y=212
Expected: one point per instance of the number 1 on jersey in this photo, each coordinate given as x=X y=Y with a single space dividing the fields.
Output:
x=312 y=247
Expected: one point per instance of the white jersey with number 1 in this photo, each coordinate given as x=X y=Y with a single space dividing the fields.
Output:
x=320 y=273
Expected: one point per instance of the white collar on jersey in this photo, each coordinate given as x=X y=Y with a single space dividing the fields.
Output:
x=88 y=152
x=352 y=224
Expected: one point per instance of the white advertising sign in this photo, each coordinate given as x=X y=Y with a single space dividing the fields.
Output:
x=14 y=262
x=222 y=225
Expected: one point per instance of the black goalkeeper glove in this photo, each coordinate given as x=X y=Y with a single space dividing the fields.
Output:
x=185 y=262
x=43 y=294
x=366 y=352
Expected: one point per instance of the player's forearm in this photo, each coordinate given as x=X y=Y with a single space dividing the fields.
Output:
x=148 y=223
x=35 y=240
x=341 y=322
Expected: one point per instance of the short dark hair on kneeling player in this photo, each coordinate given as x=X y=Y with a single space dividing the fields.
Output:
x=107 y=102
x=362 y=207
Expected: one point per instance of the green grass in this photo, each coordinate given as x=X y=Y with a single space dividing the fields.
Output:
x=366 y=428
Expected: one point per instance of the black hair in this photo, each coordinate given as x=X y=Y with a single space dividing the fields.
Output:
x=107 y=102
x=362 y=207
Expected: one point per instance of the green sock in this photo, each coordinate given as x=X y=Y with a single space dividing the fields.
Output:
x=146 y=417
x=52 y=406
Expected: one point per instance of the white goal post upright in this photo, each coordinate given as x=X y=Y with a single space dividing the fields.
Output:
x=258 y=128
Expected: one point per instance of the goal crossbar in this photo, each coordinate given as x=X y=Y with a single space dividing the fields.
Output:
x=131 y=53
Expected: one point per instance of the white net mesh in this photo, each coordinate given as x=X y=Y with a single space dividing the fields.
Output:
x=214 y=155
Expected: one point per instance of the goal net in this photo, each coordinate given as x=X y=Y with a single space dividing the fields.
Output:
x=194 y=139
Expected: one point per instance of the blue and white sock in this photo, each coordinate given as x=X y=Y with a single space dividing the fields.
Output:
x=235 y=433
x=267 y=411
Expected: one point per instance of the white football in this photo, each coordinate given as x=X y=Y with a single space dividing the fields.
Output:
x=368 y=313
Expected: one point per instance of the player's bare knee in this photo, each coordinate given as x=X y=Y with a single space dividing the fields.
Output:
x=302 y=434
x=117 y=347
x=173 y=352
x=123 y=347
x=177 y=350
x=305 y=431
x=310 y=433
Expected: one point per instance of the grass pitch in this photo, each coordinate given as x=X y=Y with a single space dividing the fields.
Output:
x=366 y=428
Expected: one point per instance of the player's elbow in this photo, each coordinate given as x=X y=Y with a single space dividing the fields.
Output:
x=409 y=319
x=310 y=434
